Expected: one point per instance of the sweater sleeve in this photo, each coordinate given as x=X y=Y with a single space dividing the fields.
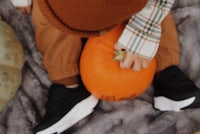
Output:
x=143 y=31
x=21 y=3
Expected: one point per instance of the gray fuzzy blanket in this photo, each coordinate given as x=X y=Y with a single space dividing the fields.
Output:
x=136 y=116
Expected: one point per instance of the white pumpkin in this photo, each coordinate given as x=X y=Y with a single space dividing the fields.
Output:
x=11 y=63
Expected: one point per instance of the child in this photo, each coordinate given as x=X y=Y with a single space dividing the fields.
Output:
x=60 y=28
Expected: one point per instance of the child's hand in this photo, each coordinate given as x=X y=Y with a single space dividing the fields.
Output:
x=132 y=61
x=23 y=5
x=25 y=10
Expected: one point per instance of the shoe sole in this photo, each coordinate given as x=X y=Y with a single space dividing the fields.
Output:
x=164 y=104
x=78 y=112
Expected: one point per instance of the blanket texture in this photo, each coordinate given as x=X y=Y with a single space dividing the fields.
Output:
x=136 y=116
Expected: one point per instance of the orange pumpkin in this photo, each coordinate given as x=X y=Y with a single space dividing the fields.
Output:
x=102 y=75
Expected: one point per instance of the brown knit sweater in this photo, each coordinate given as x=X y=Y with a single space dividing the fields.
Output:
x=88 y=17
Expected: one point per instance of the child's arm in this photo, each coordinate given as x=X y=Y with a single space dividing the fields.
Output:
x=23 y=5
x=141 y=35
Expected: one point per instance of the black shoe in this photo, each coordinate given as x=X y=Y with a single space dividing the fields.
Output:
x=65 y=107
x=174 y=91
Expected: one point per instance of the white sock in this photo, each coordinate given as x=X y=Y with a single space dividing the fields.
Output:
x=72 y=86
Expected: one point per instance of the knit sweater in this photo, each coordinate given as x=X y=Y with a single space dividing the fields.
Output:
x=142 y=34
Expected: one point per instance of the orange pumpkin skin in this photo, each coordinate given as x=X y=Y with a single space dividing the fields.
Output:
x=102 y=75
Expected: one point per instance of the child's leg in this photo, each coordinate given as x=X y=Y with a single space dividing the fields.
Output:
x=168 y=51
x=60 y=51
x=174 y=91
x=64 y=107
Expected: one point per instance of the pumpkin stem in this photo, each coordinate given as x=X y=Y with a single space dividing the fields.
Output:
x=119 y=55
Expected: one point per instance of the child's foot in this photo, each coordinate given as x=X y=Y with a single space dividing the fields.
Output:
x=174 y=91
x=65 y=107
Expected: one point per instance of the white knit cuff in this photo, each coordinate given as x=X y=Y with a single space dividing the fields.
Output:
x=21 y=3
